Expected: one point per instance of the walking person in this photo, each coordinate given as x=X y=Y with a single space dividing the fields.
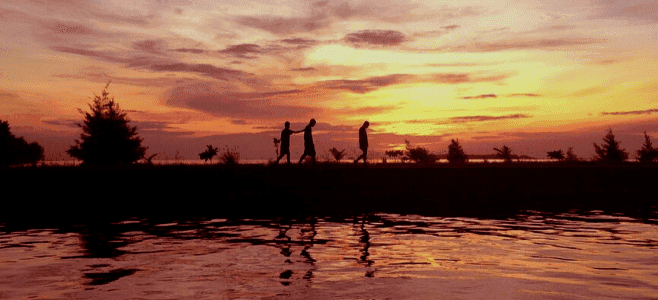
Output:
x=309 y=147
x=363 y=142
x=285 y=142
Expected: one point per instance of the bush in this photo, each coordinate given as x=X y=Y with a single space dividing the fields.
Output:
x=15 y=150
x=106 y=137
x=504 y=153
x=456 y=153
x=208 y=154
x=338 y=155
x=230 y=156
x=609 y=151
x=557 y=154
x=418 y=154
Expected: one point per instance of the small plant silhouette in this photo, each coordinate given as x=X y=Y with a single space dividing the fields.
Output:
x=393 y=154
x=276 y=146
x=647 y=154
x=208 y=154
x=456 y=153
x=149 y=158
x=504 y=153
x=106 y=137
x=418 y=154
x=557 y=154
x=338 y=155
x=609 y=150
x=230 y=156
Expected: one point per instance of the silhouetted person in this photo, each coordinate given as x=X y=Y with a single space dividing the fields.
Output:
x=285 y=142
x=363 y=142
x=309 y=148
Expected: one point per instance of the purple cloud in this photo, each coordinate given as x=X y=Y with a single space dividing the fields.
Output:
x=368 y=84
x=376 y=37
x=480 y=96
x=486 y=118
x=242 y=50
x=632 y=112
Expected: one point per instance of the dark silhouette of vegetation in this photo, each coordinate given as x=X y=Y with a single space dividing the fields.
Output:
x=208 y=154
x=148 y=159
x=647 y=154
x=504 y=153
x=230 y=156
x=418 y=154
x=15 y=150
x=394 y=153
x=557 y=154
x=338 y=155
x=106 y=137
x=456 y=153
x=609 y=151
x=570 y=156
x=276 y=146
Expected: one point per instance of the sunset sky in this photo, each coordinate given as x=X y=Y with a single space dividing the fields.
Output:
x=533 y=75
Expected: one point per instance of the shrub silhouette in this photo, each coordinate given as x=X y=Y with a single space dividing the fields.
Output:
x=393 y=154
x=230 y=156
x=338 y=155
x=15 y=150
x=609 y=150
x=418 y=154
x=647 y=154
x=208 y=154
x=504 y=153
x=557 y=154
x=106 y=137
x=456 y=153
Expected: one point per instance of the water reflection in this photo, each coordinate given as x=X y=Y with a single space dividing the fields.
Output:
x=577 y=254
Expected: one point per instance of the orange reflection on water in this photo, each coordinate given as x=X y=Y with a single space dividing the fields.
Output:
x=532 y=255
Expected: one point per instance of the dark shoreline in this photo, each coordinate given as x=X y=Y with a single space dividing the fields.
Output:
x=250 y=191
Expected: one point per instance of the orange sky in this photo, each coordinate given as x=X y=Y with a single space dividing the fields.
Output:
x=531 y=75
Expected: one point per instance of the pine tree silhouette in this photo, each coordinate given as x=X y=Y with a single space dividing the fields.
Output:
x=609 y=151
x=106 y=137
x=456 y=153
x=647 y=154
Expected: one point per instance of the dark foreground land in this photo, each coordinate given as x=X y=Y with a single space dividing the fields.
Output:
x=252 y=191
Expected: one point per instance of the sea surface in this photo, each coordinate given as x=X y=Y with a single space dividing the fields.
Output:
x=526 y=255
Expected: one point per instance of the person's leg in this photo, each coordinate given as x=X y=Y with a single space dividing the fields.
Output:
x=288 y=157
x=301 y=159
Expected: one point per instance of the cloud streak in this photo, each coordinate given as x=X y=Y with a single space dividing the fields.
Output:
x=375 y=38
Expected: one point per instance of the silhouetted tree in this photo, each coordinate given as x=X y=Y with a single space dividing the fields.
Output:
x=338 y=155
x=504 y=153
x=609 y=151
x=571 y=157
x=456 y=153
x=557 y=154
x=15 y=150
x=106 y=137
x=208 y=154
x=647 y=154
x=419 y=154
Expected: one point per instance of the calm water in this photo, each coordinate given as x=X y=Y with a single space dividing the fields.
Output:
x=532 y=255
